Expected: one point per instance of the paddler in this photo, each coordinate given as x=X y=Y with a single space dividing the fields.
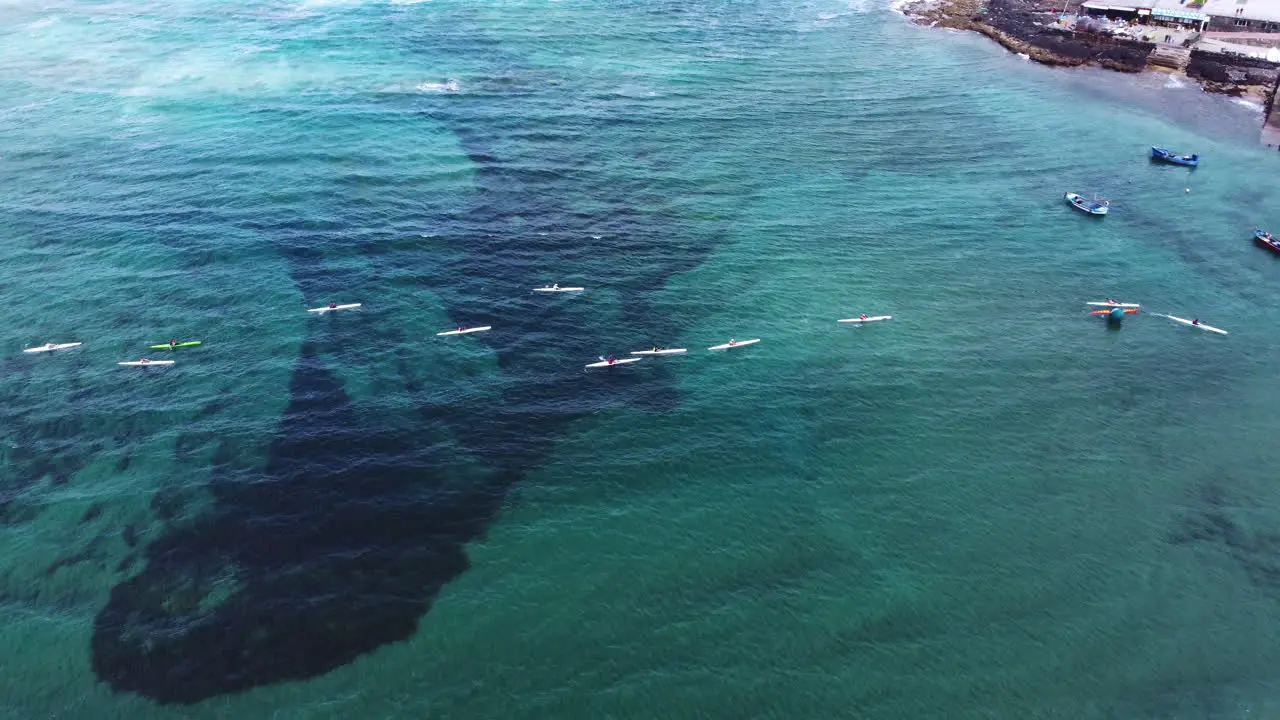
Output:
x=732 y=341
x=172 y=343
x=611 y=360
x=556 y=286
x=332 y=305
x=863 y=316
x=144 y=361
x=1195 y=321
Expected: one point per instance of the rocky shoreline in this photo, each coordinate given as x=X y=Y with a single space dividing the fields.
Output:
x=1032 y=28
x=1240 y=77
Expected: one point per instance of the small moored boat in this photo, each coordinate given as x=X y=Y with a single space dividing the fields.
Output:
x=1267 y=240
x=1167 y=155
x=1093 y=207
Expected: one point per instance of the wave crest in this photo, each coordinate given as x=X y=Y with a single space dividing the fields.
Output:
x=449 y=86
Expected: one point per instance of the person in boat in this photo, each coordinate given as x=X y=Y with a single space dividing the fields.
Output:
x=49 y=344
x=172 y=342
x=556 y=286
x=1195 y=321
x=732 y=341
x=610 y=360
x=144 y=361
x=863 y=316
x=333 y=305
x=459 y=329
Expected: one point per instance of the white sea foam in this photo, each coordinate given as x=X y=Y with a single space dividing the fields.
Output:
x=896 y=5
x=252 y=49
x=1175 y=81
x=1251 y=104
x=312 y=4
x=450 y=86
x=900 y=7
x=6 y=113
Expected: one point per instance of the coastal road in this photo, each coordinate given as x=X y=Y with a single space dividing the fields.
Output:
x=1221 y=35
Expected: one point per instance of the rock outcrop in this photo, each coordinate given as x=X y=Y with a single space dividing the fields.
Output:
x=1233 y=74
x=1032 y=28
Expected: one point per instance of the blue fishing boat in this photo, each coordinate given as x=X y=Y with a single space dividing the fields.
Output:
x=1266 y=240
x=1093 y=207
x=1159 y=153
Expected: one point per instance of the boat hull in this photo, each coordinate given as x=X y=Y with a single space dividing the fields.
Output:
x=1165 y=155
x=1260 y=239
x=1088 y=207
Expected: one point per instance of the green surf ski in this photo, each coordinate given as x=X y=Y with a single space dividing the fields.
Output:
x=167 y=346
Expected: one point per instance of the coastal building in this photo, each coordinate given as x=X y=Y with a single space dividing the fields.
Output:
x=1161 y=13
x=1255 y=16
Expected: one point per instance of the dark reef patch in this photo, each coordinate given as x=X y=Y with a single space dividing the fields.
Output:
x=94 y=550
x=297 y=572
x=1216 y=521
x=93 y=512
x=343 y=541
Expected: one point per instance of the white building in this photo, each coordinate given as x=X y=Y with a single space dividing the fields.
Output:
x=1243 y=15
x=1159 y=12
x=1256 y=16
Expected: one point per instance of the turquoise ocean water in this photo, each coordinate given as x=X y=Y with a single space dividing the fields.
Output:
x=992 y=506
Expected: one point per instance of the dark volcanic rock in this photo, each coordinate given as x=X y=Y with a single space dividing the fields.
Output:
x=1231 y=74
x=1032 y=25
x=1208 y=70
x=1255 y=76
